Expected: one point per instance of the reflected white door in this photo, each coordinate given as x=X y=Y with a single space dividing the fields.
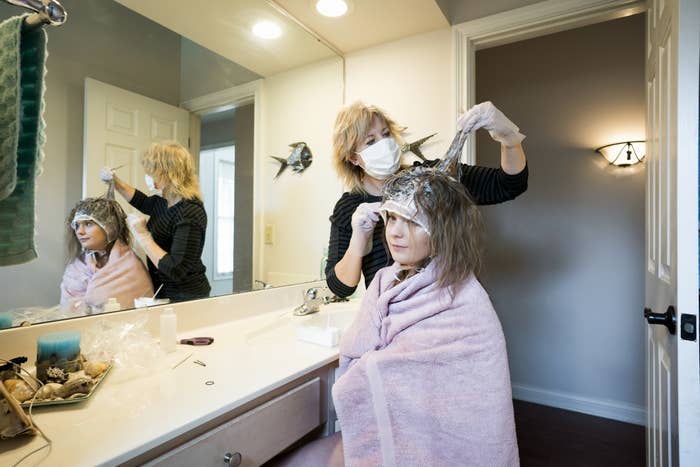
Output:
x=119 y=125
x=673 y=388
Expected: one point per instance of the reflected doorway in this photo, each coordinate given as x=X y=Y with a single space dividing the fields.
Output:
x=226 y=179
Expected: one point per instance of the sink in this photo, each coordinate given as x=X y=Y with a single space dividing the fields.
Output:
x=339 y=315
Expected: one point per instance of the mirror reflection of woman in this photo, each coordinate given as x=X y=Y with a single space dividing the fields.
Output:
x=366 y=151
x=102 y=264
x=173 y=236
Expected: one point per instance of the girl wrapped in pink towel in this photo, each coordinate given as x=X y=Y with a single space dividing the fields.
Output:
x=424 y=370
x=102 y=264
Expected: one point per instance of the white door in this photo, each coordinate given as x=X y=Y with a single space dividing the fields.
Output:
x=673 y=389
x=118 y=126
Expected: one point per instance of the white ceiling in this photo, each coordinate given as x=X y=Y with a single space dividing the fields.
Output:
x=224 y=26
x=369 y=22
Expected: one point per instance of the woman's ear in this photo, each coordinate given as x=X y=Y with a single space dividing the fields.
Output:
x=355 y=159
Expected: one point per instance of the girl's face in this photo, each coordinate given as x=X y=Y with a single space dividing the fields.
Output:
x=377 y=131
x=408 y=243
x=90 y=235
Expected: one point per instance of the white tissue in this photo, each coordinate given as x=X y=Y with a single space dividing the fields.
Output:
x=328 y=336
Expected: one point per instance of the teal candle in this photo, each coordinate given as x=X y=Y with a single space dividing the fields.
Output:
x=58 y=346
x=5 y=320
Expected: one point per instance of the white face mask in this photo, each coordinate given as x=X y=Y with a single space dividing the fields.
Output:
x=151 y=184
x=382 y=158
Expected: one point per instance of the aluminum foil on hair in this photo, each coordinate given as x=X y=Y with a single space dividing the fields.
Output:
x=400 y=190
x=399 y=193
x=101 y=211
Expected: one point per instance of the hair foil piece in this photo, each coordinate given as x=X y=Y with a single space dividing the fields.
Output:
x=102 y=212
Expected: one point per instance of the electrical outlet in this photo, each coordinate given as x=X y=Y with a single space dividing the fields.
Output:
x=269 y=234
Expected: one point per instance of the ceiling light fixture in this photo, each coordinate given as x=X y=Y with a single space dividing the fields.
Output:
x=332 y=8
x=623 y=154
x=267 y=30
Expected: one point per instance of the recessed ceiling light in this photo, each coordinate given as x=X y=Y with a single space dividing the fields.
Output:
x=332 y=8
x=267 y=30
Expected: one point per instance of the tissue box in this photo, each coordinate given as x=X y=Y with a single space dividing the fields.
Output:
x=328 y=336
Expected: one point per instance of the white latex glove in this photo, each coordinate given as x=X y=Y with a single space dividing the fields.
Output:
x=488 y=117
x=137 y=226
x=365 y=217
x=106 y=174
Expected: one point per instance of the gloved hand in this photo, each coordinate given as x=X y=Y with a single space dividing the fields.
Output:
x=106 y=174
x=137 y=226
x=488 y=117
x=365 y=217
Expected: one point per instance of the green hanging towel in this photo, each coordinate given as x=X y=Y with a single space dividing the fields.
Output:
x=22 y=70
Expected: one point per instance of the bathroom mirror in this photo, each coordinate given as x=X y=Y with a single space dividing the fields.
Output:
x=245 y=98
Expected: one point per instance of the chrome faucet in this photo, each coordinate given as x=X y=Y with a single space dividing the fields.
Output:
x=314 y=298
x=264 y=284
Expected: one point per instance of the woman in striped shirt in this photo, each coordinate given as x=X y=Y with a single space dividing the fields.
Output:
x=366 y=151
x=173 y=237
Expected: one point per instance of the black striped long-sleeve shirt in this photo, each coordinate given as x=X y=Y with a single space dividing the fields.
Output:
x=485 y=185
x=180 y=231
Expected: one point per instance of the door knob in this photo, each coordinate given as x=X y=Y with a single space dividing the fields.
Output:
x=668 y=319
x=233 y=460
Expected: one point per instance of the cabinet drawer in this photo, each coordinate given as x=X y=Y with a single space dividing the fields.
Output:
x=257 y=435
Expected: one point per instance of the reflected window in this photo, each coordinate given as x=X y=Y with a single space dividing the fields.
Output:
x=220 y=163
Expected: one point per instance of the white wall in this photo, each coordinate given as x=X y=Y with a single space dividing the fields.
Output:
x=298 y=105
x=412 y=80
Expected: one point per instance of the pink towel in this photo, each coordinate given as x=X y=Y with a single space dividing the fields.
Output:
x=425 y=380
x=123 y=277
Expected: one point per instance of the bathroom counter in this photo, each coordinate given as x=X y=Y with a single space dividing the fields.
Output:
x=132 y=419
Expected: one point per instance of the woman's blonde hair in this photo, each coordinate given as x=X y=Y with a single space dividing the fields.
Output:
x=351 y=126
x=173 y=163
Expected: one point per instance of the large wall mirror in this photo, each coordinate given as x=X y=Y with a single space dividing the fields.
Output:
x=243 y=99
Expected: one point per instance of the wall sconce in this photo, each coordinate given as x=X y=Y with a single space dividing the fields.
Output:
x=623 y=154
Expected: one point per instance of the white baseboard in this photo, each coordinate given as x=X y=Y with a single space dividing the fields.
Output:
x=605 y=408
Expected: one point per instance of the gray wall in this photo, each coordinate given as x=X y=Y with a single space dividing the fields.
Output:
x=237 y=128
x=459 y=11
x=564 y=263
x=105 y=41
x=203 y=71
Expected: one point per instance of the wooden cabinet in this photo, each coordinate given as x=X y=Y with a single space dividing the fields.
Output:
x=256 y=435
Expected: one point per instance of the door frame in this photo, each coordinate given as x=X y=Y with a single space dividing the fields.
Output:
x=520 y=24
x=237 y=96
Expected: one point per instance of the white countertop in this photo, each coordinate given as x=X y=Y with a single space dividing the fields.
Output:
x=127 y=417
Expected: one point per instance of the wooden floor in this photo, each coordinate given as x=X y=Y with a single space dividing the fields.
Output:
x=553 y=437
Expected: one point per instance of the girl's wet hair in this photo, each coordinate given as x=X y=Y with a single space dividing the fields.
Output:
x=453 y=218
x=108 y=214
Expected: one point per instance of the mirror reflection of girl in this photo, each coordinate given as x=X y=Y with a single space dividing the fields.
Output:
x=424 y=376
x=173 y=237
x=102 y=264
x=366 y=152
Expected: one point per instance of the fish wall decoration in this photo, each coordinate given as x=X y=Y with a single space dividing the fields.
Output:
x=299 y=160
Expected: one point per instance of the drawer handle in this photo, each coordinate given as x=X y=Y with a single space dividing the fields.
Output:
x=234 y=460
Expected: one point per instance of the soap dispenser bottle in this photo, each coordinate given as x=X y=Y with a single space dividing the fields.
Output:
x=168 y=330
